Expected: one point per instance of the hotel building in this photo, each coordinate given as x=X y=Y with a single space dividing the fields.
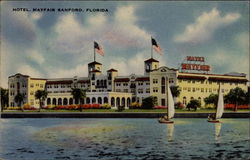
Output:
x=123 y=90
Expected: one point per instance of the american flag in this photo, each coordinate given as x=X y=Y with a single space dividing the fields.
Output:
x=98 y=48
x=156 y=46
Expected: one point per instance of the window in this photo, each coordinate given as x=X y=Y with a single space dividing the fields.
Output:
x=147 y=90
x=155 y=81
x=202 y=89
x=193 y=81
x=189 y=89
x=155 y=89
x=41 y=85
x=126 y=90
x=37 y=84
x=147 y=83
x=140 y=91
x=189 y=81
x=202 y=82
x=210 y=89
x=193 y=89
x=180 y=81
x=31 y=85
x=210 y=82
x=171 y=80
x=32 y=93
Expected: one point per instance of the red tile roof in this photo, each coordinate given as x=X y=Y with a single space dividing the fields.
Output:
x=142 y=79
x=94 y=62
x=112 y=70
x=59 y=82
x=151 y=60
x=227 y=79
x=191 y=77
x=83 y=81
x=121 y=80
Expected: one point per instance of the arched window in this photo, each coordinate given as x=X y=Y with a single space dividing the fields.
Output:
x=93 y=100
x=112 y=101
x=106 y=100
x=117 y=101
x=48 y=101
x=65 y=101
x=87 y=100
x=123 y=101
x=163 y=85
x=71 y=101
x=54 y=101
x=128 y=102
x=99 y=100
x=60 y=101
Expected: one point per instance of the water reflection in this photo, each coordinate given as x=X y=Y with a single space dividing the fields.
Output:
x=217 y=132
x=170 y=132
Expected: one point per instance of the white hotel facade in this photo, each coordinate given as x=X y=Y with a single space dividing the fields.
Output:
x=109 y=87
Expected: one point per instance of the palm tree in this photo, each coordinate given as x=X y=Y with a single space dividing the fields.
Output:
x=4 y=98
x=175 y=90
x=19 y=99
x=236 y=96
x=41 y=95
x=78 y=94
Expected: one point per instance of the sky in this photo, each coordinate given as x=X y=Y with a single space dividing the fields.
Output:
x=60 y=44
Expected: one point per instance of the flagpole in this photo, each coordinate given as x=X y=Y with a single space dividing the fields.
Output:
x=94 y=51
x=151 y=48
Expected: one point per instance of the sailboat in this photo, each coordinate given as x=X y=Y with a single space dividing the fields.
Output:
x=170 y=109
x=220 y=108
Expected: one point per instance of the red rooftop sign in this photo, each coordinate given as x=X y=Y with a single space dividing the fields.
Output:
x=195 y=63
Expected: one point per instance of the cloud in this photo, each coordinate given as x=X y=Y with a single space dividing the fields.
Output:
x=205 y=26
x=35 y=56
x=80 y=70
x=134 y=64
x=119 y=31
x=36 y=16
x=18 y=28
x=29 y=70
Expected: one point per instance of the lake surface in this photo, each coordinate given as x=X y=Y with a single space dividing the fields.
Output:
x=129 y=139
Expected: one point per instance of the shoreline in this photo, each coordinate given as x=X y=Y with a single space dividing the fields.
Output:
x=115 y=115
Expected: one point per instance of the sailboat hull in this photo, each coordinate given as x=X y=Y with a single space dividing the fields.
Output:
x=165 y=121
x=213 y=121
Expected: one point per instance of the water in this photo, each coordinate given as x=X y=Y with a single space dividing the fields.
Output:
x=109 y=139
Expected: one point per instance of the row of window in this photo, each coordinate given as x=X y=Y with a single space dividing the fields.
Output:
x=37 y=85
x=210 y=82
x=189 y=89
x=12 y=85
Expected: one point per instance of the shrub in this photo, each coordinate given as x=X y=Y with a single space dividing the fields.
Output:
x=135 y=105
x=149 y=102
x=13 y=108
x=105 y=106
x=179 y=105
x=160 y=107
x=28 y=107
x=194 y=103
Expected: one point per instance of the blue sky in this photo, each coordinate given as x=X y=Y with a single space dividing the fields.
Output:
x=60 y=44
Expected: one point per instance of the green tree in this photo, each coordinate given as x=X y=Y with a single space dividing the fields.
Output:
x=149 y=102
x=211 y=99
x=41 y=95
x=4 y=98
x=236 y=96
x=194 y=103
x=175 y=90
x=78 y=94
x=19 y=98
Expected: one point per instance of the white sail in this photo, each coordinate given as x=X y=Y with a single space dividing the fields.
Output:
x=170 y=104
x=220 y=105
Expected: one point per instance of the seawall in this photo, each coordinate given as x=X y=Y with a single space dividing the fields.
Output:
x=115 y=115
